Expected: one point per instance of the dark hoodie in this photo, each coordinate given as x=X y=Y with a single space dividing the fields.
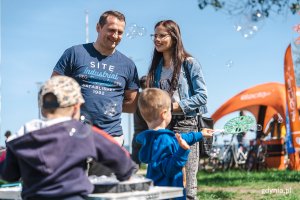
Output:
x=52 y=161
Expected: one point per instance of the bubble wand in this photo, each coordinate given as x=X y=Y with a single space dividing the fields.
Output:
x=240 y=124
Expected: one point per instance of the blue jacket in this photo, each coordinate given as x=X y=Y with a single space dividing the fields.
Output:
x=52 y=161
x=165 y=158
x=188 y=102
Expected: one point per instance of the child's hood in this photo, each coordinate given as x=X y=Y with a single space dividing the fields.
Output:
x=48 y=148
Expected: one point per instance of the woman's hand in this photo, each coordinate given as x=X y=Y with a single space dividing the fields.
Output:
x=176 y=107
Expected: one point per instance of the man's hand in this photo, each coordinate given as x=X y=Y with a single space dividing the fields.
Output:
x=130 y=101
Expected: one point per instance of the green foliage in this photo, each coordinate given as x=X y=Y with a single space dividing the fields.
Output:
x=143 y=166
x=279 y=197
x=262 y=185
x=258 y=8
x=236 y=178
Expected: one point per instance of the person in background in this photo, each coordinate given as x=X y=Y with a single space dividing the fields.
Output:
x=174 y=70
x=165 y=151
x=7 y=134
x=108 y=79
x=276 y=128
x=240 y=137
x=50 y=155
x=139 y=126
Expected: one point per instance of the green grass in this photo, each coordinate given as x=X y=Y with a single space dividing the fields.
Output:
x=236 y=178
x=216 y=195
x=143 y=166
x=263 y=185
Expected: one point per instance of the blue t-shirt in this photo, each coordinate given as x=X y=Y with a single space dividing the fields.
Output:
x=103 y=80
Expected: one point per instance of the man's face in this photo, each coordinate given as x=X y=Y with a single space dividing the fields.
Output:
x=111 y=33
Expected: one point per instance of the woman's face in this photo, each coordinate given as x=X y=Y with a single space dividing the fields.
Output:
x=162 y=40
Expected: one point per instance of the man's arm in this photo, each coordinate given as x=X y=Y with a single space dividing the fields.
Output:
x=130 y=101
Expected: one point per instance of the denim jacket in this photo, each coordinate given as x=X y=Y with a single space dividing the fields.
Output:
x=189 y=103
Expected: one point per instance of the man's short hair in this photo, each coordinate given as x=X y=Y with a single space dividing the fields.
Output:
x=104 y=16
x=60 y=92
x=152 y=101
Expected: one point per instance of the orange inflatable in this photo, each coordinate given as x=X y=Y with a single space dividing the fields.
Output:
x=263 y=101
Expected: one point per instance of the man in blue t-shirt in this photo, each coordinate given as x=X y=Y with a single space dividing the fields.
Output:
x=108 y=79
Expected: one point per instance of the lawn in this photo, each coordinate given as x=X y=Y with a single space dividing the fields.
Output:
x=235 y=184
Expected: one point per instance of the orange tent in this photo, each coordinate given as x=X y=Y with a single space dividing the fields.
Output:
x=263 y=101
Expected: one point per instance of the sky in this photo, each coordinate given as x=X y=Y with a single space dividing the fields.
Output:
x=35 y=33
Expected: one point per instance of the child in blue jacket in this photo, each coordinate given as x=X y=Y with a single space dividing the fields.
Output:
x=164 y=151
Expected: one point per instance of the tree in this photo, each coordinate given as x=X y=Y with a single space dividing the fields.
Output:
x=259 y=9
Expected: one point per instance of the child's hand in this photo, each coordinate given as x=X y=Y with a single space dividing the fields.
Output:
x=182 y=143
x=206 y=132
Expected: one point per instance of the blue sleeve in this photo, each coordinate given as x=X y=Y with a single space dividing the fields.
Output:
x=192 y=137
x=10 y=171
x=113 y=156
x=133 y=78
x=168 y=157
x=65 y=63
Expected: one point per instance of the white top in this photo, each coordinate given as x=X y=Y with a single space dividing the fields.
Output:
x=36 y=124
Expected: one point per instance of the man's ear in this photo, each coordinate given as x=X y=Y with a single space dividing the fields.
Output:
x=98 y=27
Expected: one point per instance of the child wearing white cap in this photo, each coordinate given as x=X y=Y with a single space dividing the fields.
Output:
x=49 y=155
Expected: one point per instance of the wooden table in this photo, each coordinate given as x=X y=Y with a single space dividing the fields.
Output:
x=153 y=193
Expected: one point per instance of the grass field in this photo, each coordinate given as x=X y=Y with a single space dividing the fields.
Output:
x=235 y=184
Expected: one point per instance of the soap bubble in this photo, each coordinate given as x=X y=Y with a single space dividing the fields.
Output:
x=229 y=63
x=110 y=109
x=134 y=31
x=249 y=23
x=142 y=31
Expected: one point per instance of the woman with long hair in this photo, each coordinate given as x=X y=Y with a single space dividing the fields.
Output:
x=174 y=70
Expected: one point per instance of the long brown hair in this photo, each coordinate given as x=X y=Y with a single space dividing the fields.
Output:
x=178 y=54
